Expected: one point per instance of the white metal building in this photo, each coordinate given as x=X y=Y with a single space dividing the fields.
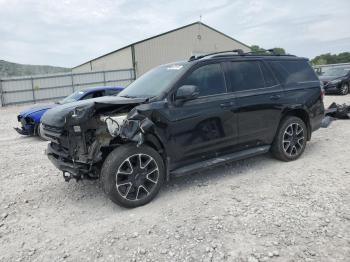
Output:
x=174 y=45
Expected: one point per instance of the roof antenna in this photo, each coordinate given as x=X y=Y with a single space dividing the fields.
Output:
x=200 y=18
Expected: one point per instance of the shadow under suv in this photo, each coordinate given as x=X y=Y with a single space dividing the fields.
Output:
x=183 y=117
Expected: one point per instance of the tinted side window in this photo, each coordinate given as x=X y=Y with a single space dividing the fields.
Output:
x=93 y=95
x=245 y=76
x=112 y=92
x=88 y=96
x=293 y=71
x=209 y=79
x=98 y=94
x=270 y=80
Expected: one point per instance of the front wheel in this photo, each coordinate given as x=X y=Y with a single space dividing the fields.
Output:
x=132 y=176
x=290 y=140
x=344 y=89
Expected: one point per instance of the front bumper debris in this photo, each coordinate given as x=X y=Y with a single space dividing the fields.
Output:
x=27 y=127
x=62 y=161
x=338 y=111
x=334 y=112
x=22 y=131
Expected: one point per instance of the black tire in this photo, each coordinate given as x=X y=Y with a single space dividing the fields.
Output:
x=122 y=175
x=344 y=89
x=288 y=131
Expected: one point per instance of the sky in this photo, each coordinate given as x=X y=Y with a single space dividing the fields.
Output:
x=70 y=32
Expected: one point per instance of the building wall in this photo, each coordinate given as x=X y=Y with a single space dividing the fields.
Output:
x=180 y=45
x=82 y=68
x=173 y=46
x=114 y=61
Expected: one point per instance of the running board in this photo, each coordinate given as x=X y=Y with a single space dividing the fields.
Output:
x=220 y=160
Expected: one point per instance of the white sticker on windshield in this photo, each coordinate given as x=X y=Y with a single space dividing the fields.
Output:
x=174 y=67
x=81 y=92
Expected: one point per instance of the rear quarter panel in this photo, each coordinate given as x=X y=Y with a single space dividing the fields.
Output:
x=306 y=96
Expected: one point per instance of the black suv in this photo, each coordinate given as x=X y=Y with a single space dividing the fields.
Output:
x=184 y=117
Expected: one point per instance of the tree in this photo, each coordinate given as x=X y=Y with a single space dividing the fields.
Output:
x=328 y=58
x=276 y=50
x=257 y=49
x=279 y=50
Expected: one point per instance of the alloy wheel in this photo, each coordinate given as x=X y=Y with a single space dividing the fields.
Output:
x=344 y=90
x=293 y=139
x=137 y=176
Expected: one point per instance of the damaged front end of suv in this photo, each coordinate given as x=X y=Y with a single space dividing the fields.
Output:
x=83 y=135
x=120 y=140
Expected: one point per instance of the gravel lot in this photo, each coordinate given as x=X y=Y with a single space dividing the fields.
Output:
x=257 y=209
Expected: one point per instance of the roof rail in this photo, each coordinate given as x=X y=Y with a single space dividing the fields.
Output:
x=238 y=51
x=268 y=52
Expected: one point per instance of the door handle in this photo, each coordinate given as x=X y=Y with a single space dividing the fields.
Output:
x=227 y=104
x=275 y=97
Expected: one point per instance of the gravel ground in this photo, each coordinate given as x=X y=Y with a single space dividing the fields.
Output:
x=257 y=209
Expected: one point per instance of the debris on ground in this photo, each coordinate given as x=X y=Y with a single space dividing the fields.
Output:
x=335 y=111
x=338 y=111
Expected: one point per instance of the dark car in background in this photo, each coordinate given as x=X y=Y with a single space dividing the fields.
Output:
x=336 y=80
x=30 y=118
x=184 y=117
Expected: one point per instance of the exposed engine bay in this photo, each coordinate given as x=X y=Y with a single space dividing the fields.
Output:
x=82 y=138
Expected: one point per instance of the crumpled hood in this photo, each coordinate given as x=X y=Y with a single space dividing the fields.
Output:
x=330 y=78
x=35 y=109
x=57 y=116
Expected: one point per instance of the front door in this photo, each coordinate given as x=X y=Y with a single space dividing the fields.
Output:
x=204 y=127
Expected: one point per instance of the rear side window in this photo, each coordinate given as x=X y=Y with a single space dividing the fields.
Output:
x=209 y=79
x=245 y=76
x=293 y=71
x=270 y=80
x=93 y=95
x=112 y=92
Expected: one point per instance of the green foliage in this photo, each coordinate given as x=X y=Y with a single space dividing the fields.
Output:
x=279 y=50
x=258 y=49
x=328 y=58
x=8 y=69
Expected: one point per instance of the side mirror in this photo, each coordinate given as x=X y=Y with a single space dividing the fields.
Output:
x=187 y=92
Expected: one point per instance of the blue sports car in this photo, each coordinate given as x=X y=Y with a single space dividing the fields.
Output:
x=30 y=118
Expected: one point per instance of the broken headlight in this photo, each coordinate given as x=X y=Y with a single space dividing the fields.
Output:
x=113 y=123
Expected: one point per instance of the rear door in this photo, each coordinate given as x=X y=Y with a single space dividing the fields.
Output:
x=258 y=99
x=206 y=126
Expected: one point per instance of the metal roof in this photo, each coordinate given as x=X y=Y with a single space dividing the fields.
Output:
x=177 y=29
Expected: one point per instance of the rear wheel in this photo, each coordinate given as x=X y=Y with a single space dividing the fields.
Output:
x=290 y=140
x=344 y=89
x=132 y=176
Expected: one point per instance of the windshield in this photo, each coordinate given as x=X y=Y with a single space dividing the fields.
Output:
x=73 y=97
x=340 y=71
x=154 y=82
